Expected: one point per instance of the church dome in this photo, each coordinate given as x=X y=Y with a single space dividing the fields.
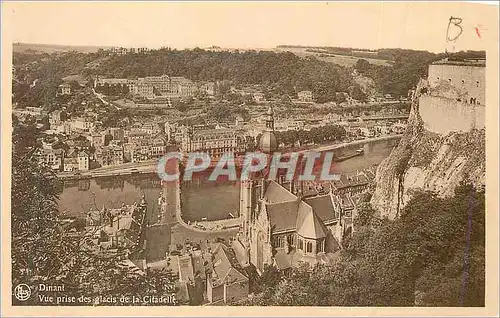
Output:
x=268 y=142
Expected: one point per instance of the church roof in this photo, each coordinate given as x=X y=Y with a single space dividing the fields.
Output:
x=268 y=142
x=308 y=223
x=283 y=216
x=276 y=193
x=323 y=207
x=286 y=212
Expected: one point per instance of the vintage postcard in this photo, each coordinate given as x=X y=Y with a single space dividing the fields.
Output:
x=249 y=159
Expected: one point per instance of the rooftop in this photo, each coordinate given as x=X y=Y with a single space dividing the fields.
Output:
x=226 y=267
x=463 y=62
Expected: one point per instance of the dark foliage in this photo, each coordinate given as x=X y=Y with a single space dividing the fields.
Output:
x=433 y=255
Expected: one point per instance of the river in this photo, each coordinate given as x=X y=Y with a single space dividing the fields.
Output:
x=200 y=199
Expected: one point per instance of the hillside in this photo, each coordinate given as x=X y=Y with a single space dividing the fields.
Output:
x=278 y=73
x=342 y=60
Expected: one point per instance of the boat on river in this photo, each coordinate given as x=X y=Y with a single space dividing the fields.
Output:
x=358 y=152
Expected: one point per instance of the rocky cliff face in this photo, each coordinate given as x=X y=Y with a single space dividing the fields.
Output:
x=428 y=161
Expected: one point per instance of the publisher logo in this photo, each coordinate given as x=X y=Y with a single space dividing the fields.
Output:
x=22 y=292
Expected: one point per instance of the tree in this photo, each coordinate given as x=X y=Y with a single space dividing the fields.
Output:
x=340 y=98
x=362 y=66
x=357 y=93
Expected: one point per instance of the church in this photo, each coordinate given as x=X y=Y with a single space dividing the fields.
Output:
x=281 y=226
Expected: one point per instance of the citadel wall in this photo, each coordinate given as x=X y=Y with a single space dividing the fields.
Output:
x=466 y=78
x=443 y=115
x=455 y=100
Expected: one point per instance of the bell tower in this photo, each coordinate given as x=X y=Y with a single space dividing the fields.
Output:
x=270 y=119
x=268 y=143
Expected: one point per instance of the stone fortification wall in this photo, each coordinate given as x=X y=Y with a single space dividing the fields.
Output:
x=467 y=79
x=442 y=115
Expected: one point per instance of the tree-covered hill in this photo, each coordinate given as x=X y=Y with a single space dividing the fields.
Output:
x=281 y=73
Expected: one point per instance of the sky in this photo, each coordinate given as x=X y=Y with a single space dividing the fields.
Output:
x=369 y=25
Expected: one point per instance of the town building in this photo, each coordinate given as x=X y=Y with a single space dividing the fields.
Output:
x=382 y=129
x=145 y=149
x=53 y=158
x=351 y=183
x=305 y=96
x=56 y=117
x=227 y=282
x=76 y=161
x=81 y=125
x=83 y=161
x=215 y=142
x=70 y=164
x=117 y=133
x=152 y=86
x=259 y=97
x=119 y=50
x=136 y=135
x=96 y=139
x=208 y=88
x=109 y=155
x=65 y=89
x=34 y=111
x=119 y=227
x=398 y=127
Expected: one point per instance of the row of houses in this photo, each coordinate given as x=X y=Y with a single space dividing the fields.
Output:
x=153 y=86
x=217 y=270
x=124 y=51
x=134 y=147
x=372 y=129
x=58 y=160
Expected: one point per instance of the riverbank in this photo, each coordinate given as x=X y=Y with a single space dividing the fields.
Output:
x=115 y=170
x=356 y=142
x=150 y=166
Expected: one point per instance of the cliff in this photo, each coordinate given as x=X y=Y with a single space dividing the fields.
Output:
x=429 y=161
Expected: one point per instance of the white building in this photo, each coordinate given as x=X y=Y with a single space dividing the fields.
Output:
x=305 y=96
x=83 y=161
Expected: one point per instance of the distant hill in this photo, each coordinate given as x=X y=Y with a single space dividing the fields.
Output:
x=54 y=48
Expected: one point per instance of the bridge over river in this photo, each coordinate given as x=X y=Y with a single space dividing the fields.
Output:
x=150 y=166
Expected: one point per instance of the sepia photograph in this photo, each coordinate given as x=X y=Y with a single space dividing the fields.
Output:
x=253 y=158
